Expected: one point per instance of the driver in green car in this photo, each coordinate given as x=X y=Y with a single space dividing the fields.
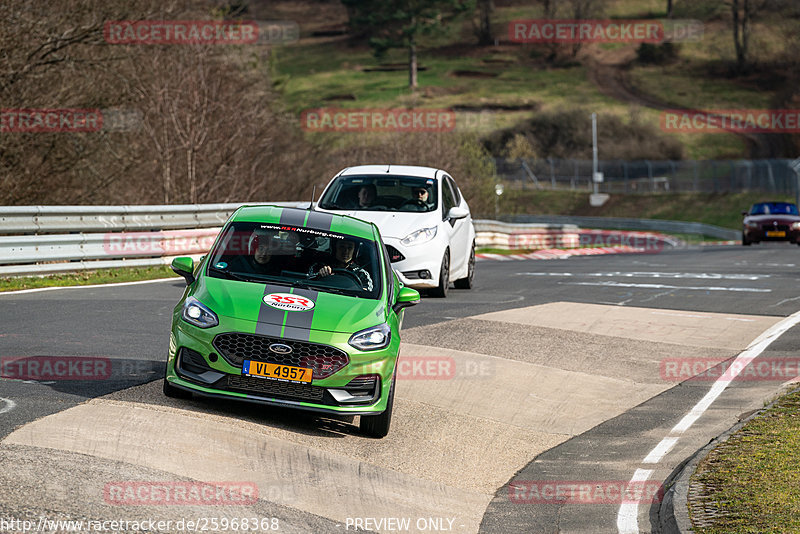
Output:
x=344 y=258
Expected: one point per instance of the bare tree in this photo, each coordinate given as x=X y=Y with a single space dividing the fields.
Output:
x=584 y=9
x=743 y=13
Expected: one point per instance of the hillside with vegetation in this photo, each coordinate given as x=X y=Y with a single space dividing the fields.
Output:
x=223 y=123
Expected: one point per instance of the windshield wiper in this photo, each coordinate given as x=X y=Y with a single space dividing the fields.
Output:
x=306 y=285
x=257 y=279
x=231 y=275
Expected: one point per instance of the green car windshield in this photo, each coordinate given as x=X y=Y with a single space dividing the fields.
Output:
x=297 y=257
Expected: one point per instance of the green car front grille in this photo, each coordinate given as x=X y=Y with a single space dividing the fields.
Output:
x=236 y=347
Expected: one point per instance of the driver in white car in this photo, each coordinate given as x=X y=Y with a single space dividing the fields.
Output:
x=419 y=200
x=344 y=258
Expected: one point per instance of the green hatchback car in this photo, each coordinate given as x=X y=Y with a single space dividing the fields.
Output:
x=293 y=308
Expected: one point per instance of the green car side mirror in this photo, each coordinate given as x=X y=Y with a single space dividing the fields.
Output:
x=184 y=266
x=405 y=298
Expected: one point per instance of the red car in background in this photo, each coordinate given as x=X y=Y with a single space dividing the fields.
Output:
x=771 y=221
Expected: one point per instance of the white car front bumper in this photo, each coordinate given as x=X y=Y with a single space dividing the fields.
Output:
x=417 y=260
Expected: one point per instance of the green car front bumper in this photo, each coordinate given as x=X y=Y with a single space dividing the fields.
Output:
x=356 y=383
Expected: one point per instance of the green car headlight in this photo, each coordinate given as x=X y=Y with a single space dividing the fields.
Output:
x=198 y=314
x=374 y=338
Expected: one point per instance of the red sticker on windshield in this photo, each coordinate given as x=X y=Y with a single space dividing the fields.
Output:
x=288 y=302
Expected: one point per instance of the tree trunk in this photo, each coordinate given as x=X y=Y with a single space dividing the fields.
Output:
x=669 y=9
x=485 y=8
x=412 y=64
x=190 y=165
x=738 y=30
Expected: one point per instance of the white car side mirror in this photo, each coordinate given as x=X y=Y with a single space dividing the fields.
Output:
x=456 y=213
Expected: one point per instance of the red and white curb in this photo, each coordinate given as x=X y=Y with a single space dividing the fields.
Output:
x=561 y=254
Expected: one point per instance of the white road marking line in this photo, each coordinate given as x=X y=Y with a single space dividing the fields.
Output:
x=662 y=286
x=655 y=274
x=53 y=288
x=660 y=450
x=627 y=518
x=8 y=405
x=748 y=355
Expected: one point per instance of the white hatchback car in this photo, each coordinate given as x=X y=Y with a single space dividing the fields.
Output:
x=422 y=216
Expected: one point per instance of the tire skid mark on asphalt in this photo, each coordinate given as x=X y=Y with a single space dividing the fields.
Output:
x=6 y=405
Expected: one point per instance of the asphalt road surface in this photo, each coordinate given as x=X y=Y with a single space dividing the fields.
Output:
x=556 y=384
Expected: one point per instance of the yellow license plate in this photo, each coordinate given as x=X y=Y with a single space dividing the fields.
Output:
x=275 y=371
x=776 y=233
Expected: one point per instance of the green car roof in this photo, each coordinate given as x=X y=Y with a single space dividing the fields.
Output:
x=333 y=222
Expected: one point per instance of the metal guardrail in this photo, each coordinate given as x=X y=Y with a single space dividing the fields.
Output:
x=616 y=223
x=38 y=240
x=64 y=219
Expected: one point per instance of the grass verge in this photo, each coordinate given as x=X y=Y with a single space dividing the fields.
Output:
x=752 y=481
x=87 y=278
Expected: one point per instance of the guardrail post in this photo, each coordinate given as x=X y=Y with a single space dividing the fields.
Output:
x=714 y=175
x=625 y=174
x=575 y=178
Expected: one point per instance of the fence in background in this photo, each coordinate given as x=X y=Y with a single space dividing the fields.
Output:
x=774 y=176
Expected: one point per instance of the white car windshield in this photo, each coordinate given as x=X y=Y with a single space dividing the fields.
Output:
x=381 y=193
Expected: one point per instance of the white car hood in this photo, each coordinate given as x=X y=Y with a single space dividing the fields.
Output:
x=396 y=224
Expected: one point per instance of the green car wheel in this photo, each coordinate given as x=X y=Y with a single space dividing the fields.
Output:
x=377 y=426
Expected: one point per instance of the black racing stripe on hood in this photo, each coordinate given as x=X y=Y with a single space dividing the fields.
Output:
x=269 y=315
x=293 y=217
x=297 y=321
x=319 y=220
x=266 y=329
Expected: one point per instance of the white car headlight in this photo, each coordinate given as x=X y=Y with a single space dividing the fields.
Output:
x=752 y=225
x=374 y=338
x=198 y=314
x=796 y=226
x=420 y=236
